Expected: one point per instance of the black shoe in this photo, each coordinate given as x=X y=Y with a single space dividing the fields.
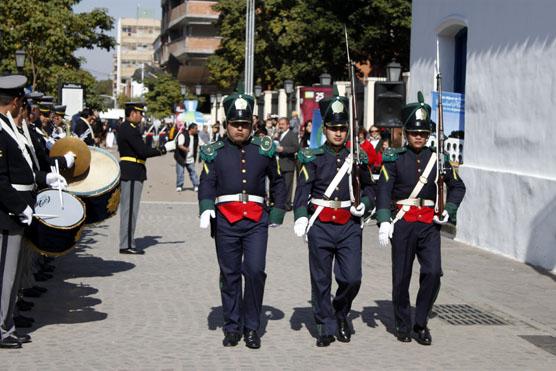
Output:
x=423 y=336
x=252 y=339
x=24 y=306
x=40 y=289
x=23 y=322
x=404 y=337
x=23 y=339
x=132 y=251
x=231 y=339
x=41 y=276
x=344 y=332
x=10 y=342
x=325 y=340
x=30 y=293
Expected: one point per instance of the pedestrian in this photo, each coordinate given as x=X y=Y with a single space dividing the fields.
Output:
x=407 y=188
x=295 y=123
x=332 y=222
x=215 y=136
x=305 y=140
x=187 y=144
x=232 y=201
x=133 y=155
x=288 y=145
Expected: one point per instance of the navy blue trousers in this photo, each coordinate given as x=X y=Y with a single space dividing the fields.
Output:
x=241 y=250
x=410 y=240
x=339 y=246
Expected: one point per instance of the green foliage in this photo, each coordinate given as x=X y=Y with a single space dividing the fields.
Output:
x=50 y=32
x=300 y=39
x=164 y=93
x=122 y=99
x=104 y=87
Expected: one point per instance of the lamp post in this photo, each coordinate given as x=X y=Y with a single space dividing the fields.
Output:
x=393 y=71
x=19 y=60
x=258 y=94
x=325 y=79
x=218 y=101
x=288 y=87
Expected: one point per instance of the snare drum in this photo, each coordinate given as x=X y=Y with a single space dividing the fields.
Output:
x=56 y=231
x=100 y=188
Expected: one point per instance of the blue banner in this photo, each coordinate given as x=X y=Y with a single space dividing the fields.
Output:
x=317 y=138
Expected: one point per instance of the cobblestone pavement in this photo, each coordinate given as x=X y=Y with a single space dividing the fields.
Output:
x=161 y=311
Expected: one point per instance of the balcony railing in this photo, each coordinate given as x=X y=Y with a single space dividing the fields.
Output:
x=191 y=45
x=190 y=10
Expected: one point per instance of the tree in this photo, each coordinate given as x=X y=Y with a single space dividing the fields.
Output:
x=164 y=93
x=301 y=39
x=50 y=32
x=104 y=87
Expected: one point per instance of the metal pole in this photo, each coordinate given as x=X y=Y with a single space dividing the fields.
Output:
x=249 y=46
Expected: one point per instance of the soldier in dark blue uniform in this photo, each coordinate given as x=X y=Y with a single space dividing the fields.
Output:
x=233 y=199
x=406 y=200
x=133 y=156
x=334 y=228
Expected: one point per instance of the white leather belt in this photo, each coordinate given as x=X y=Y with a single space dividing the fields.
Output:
x=333 y=204
x=240 y=197
x=415 y=202
x=24 y=187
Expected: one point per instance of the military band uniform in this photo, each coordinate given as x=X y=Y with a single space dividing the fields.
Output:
x=416 y=234
x=133 y=155
x=232 y=190
x=83 y=128
x=335 y=238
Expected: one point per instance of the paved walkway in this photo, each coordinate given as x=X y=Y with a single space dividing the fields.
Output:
x=161 y=311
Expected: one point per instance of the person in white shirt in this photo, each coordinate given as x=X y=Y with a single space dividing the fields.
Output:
x=187 y=144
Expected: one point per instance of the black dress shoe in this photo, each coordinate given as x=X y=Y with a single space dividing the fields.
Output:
x=231 y=339
x=423 y=336
x=344 y=332
x=403 y=337
x=22 y=322
x=23 y=338
x=40 y=289
x=24 y=306
x=252 y=339
x=30 y=293
x=325 y=340
x=132 y=251
x=10 y=342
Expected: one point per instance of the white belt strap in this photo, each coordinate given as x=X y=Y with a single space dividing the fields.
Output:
x=415 y=202
x=418 y=187
x=24 y=187
x=333 y=204
x=240 y=197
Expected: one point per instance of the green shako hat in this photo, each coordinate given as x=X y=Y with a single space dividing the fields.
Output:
x=417 y=116
x=239 y=107
x=334 y=111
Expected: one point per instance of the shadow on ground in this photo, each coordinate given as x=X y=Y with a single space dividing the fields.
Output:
x=145 y=242
x=215 y=319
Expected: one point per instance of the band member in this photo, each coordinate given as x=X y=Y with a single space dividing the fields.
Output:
x=84 y=128
x=60 y=127
x=133 y=155
x=407 y=189
x=18 y=182
x=334 y=229
x=232 y=198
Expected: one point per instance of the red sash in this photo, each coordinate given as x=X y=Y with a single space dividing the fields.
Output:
x=423 y=214
x=235 y=211
x=336 y=216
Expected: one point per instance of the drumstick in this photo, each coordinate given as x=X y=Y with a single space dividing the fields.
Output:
x=59 y=185
x=40 y=215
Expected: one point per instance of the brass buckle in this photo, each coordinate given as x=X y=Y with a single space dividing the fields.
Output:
x=244 y=197
x=335 y=204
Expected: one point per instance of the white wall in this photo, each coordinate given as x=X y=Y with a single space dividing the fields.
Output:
x=510 y=157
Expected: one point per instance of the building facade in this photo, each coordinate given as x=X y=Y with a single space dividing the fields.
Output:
x=135 y=48
x=502 y=56
x=188 y=37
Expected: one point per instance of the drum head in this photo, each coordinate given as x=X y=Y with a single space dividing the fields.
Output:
x=82 y=155
x=103 y=175
x=48 y=204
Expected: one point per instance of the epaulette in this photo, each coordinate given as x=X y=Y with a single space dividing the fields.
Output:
x=391 y=154
x=266 y=145
x=306 y=155
x=363 y=158
x=209 y=151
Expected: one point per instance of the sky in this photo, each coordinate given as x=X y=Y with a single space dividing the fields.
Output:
x=99 y=62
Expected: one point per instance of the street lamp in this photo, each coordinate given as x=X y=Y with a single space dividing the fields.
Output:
x=19 y=59
x=258 y=94
x=393 y=71
x=325 y=79
x=198 y=89
x=288 y=87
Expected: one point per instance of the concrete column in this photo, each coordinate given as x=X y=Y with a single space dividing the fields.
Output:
x=370 y=100
x=282 y=103
x=267 y=102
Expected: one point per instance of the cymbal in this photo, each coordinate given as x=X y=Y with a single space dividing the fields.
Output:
x=82 y=154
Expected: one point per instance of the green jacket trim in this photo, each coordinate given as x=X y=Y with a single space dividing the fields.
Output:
x=266 y=145
x=209 y=151
x=306 y=155
x=383 y=215
x=452 y=210
x=276 y=216
x=363 y=158
x=391 y=154
x=300 y=212
x=205 y=205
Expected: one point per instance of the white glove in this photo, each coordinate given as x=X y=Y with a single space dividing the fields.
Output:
x=170 y=146
x=70 y=159
x=357 y=211
x=300 y=226
x=385 y=233
x=205 y=218
x=26 y=217
x=54 y=180
x=444 y=220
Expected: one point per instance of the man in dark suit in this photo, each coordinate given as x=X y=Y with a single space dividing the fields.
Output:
x=288 y=145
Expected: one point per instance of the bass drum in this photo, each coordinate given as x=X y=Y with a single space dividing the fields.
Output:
x=99 y=188
x=57 y=229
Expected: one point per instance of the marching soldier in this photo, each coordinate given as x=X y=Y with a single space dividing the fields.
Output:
x=323 y=209
x=18 y=179
x=407 y=189
x=232 y=200
x=133 y=155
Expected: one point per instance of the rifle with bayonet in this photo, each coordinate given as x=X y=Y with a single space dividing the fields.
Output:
x=440 y=168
